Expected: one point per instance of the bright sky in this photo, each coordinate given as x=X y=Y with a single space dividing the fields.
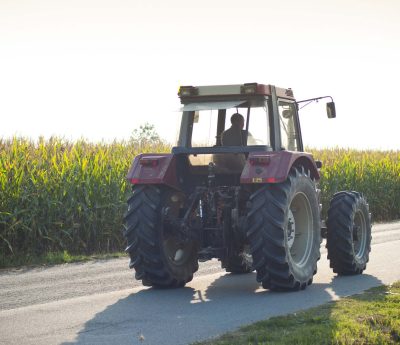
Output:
x=100 y=68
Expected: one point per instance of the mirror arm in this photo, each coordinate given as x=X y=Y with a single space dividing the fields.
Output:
x=314 y=99
x=330 y=106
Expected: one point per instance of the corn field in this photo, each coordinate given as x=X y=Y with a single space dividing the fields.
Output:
x=56 y=195
x=374 y=173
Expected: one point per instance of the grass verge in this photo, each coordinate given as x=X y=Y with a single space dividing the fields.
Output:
x=52 y=258
x=369 y=318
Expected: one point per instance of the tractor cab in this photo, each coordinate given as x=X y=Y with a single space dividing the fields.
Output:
x=241 y=134
x=223 y=125
x=269 y=113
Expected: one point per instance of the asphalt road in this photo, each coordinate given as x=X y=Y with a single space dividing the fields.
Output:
x=100 y=303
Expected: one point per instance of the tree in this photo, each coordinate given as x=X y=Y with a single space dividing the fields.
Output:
x=145 y=135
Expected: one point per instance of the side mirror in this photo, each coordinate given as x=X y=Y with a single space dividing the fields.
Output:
x=330 y=110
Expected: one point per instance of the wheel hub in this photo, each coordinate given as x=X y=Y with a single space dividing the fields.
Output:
x=291 y=229
x=359 y=235
x=179 y=254
x=176 y=251
x=246 y=255
x=300 y=230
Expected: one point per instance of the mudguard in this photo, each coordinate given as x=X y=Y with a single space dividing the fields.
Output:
x=154 y=169
x=274 y=167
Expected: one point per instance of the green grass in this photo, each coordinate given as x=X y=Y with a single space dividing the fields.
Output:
x=369 y=318
x=53 y=258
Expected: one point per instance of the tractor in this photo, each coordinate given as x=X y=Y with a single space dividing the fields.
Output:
x=238 y=187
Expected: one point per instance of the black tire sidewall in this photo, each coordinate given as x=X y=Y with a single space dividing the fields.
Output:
x=340 y=239
x=361 y=206
x=303 y=184
x=267 y=233
x=145 y=240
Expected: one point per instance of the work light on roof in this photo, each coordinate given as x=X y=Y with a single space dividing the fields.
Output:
x=249 y=89
x=289 y=92
x=186 y=91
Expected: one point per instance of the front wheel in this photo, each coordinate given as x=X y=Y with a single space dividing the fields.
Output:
x=349 y=233
x=158 y=255
x=238 y=262
x=284 y=232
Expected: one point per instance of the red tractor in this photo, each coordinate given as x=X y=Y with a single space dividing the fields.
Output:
x=238 y=187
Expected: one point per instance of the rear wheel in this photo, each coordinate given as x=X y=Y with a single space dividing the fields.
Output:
x=284 y=232
x=349 y=233
x=159 y=257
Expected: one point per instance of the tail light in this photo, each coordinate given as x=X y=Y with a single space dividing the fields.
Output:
x=261 y=160
x=148 y=162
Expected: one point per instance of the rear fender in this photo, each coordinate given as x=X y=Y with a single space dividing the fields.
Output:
x=274 y=167
x=154 y=169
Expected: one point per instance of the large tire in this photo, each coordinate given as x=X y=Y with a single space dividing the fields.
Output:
x=349 y=233
x=156 y=254
x=284 y=232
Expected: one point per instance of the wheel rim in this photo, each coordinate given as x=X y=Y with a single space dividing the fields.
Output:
x=246 y=255
x=176 y=252
x=359 y=235
x=291 y=229
x=299 y=229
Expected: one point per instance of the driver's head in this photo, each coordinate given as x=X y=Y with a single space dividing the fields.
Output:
x=237 y=120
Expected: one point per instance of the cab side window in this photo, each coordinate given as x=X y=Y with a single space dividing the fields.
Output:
x=287 y=120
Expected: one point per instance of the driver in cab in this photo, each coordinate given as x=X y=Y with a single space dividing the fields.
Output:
x=233 y=136
x=236 y=135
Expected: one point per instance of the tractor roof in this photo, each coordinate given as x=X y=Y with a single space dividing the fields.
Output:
x=198 y=93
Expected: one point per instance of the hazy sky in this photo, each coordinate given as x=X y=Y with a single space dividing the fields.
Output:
x=99 y=69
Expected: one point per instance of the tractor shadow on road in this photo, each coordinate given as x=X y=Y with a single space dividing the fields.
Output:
x=181 y=316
